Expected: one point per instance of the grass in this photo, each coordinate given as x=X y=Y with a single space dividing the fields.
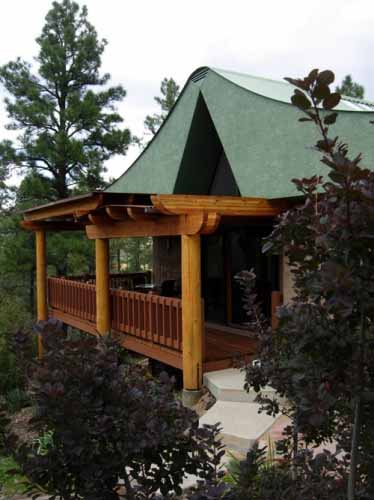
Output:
x=10 y=484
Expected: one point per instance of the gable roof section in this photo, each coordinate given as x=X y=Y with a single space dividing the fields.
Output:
x=252 y=120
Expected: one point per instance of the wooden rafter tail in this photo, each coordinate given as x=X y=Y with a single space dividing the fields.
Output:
x=100 y=219
x=212 y=221
x=116 y=213
x=137 y=213
x=79 y=214
x=159 y=205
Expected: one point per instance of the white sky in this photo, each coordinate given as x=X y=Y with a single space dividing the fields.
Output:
x=149 y=40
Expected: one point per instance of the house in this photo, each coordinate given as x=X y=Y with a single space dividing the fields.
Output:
x=207 y=189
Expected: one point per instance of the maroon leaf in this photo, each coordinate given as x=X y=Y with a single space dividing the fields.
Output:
x=326 y=77
x=331 y=101
x=321 y=91
x=301 y=101
x=329 y=119
x=313 y=75
x=298 y=83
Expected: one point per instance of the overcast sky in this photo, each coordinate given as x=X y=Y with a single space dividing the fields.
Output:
x=148 y=40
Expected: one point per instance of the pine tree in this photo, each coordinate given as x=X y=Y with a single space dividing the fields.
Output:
x=351 y=88
x=67 y=121
x=169 y=94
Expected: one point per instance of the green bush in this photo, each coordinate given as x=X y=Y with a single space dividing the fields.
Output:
x=10 y=483
x=308 y=477
x=13 y=316
x=16 y=399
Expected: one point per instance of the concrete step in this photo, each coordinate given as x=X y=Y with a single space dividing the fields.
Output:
x=241 y=423
x=228 y=385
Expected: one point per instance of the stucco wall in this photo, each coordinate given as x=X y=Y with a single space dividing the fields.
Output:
x=287 y=281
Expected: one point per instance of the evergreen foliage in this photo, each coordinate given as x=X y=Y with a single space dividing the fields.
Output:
x=350 y=88
x=169 y=94
x=65 y=111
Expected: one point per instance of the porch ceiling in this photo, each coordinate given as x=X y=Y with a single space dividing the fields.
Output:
x=115 y=215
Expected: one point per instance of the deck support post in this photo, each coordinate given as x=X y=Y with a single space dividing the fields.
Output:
x=103 y=308
x=192 y=319
x=41 y=282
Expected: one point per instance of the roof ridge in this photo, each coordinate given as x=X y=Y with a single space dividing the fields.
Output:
x=357 y=100
x=268 y=79
x=281 y=84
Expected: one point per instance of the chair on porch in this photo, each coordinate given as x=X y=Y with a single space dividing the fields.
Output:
x=168 y=288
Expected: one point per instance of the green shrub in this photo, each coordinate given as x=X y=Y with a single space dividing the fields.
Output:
x=10 y=483
x=13 y=317
x=308 y=477
x=16 y=399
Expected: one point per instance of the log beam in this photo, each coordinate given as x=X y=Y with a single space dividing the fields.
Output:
x=53 y=225
x=103 y=307
x=64 y=207
x=192 y=314
x=41 y=282
x=150 y=226
x=223 y=205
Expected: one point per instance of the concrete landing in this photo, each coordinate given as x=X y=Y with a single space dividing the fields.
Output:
x=242 y=424
x=228 y=385
x=236 y=410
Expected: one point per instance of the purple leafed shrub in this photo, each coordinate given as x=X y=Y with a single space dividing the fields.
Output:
x=321 y=357
x=107 y=420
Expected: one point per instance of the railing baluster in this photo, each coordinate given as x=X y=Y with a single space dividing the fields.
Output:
x=156 y=334
x=152 y=318
x=162 y=316
x=149 y=315
x=171 y=322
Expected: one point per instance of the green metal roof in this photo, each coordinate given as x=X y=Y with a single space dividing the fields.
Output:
x=252 y=121
x=281 y=90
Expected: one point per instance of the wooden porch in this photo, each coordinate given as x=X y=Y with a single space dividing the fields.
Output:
x=147 y=324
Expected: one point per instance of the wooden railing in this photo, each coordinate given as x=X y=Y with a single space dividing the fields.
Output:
x=73 y=297
x=152 y=318
x=126 y=281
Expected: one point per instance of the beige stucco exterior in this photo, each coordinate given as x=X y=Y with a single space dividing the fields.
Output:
x=287 y=280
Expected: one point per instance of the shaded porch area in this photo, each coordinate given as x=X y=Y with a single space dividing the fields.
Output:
x=166 y=328
x=145 y=323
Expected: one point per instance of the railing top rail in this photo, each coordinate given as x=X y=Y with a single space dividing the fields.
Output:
x=112 y=275
x=71 y=283
x=148 y=297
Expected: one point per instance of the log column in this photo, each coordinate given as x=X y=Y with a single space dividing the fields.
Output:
x=41 y=282
x=192 y=319
x=103 y=308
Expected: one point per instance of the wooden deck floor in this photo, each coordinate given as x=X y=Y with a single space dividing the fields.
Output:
x=224 y=349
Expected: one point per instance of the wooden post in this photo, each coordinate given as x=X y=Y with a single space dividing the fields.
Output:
x=276 y=301
x=41 y=282
x=103 y=309
x=192 y=323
